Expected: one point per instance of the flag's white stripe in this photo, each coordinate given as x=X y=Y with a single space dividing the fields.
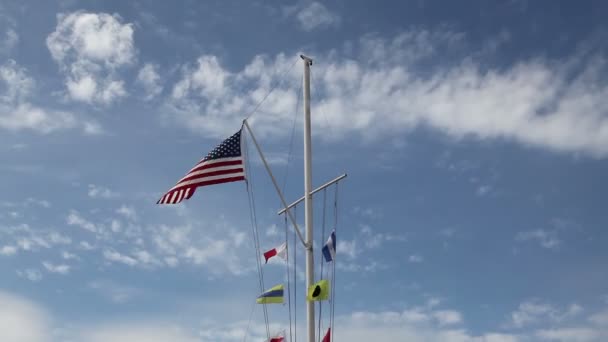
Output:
x=214 y=161
x=205 y=179
x=164 y=200
x=213 y=169
x=187 y=192
x=173 y=197
x=179 y=196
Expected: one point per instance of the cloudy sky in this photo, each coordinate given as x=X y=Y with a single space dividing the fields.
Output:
x=474 y=134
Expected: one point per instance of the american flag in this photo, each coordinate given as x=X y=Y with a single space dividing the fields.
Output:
x=222 y=165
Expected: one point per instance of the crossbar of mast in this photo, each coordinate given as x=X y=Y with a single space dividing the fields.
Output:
x=274 y=182
x=333 y=181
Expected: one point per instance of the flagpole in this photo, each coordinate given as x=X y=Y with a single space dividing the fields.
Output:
x=310 y=308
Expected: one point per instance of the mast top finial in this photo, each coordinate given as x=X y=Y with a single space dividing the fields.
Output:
x=307 y=59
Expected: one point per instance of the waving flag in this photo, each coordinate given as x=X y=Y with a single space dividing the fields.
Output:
x=222 y=165
x=329 y=249
x=272 y=296
x=277 y=339
x=280 y=251
x=327 y=335
x=318 y=291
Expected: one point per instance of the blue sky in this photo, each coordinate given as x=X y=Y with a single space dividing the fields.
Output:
x=475 y=136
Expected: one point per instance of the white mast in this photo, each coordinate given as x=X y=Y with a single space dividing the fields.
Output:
x=310 y=307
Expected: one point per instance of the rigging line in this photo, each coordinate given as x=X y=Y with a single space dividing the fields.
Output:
x=249 y=322
x=295 y=281
x=315 y=89
x=254 y=227
x=273 y=87
x=293 y=131
x=288 y=279
x=321 y=259
x=333 y=276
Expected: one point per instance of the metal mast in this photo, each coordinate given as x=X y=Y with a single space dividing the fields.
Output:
x=310 y=308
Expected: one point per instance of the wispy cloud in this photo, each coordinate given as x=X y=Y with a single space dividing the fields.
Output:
x=54 y=268
x=98 y=191
x=312 y=16
x=547 y=239
x=415 y=258
x=535 y=311
x=30 y=274
x=149 y=79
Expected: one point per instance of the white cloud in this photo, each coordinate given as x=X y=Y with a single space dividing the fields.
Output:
x=535 y=311
x=415 y=258
x=447 y=317
x=380 y=90
x=115 y=292
x=89 y=48
x=30 y=274
x=202 y=97
x=547 y=239
x=98 y=191
x=149 y=79
x=347 y=248
x=59 y=239
x=128 y=332
x=571 y=335
x=416 y=324
x=9 y=41
x=69 y=256
x=188 y=245
x=315 y=16
x=16 y=113
x=8 y=250
x=85 y=245
x=127 y=212
x=74 y=219
x=114 y=256
x=22 y=320
x=60 y=269
x=483 y=190
x=600 y=318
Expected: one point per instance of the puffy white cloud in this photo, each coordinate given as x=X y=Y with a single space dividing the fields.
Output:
x=22 y=320
x=16 y=113
x=8 y=250
x=149 y=79
x=89 y=48
x=384 y=88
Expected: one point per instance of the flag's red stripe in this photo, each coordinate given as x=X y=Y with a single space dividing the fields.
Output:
x=211 y=174
x=270 y=254
x=204 y=183
x=218 y=164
